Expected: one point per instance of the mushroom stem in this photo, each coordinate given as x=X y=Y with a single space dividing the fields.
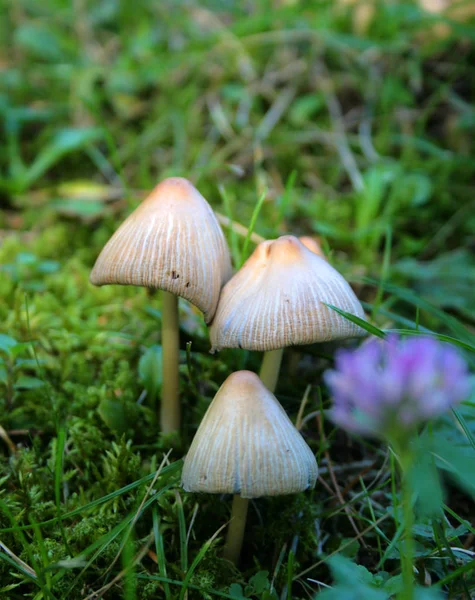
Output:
x=237 y=525
x=270 y=368
x=170 y=406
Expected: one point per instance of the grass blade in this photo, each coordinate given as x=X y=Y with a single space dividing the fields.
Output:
x=232 y=234
x=160 y=551
x=252 y=224
x=182 y=529
x=204 y=548
x=358 y=321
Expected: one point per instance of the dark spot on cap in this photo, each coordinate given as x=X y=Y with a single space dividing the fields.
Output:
x=187 y=284
x=175 y=275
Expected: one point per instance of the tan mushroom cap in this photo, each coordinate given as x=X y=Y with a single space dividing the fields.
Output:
x=313 y=244
x=277 y=299
x=247 y=445
x=173 y=242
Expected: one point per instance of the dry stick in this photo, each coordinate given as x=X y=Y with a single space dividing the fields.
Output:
x=18 y=560
x=379 y=473
x=238 y=228
x=192 y=522
x=327 y=487
x=356 y=478
x=303 y=404
x=335 y=482
x=170 y=406
x=6 y=438
x=336 y=116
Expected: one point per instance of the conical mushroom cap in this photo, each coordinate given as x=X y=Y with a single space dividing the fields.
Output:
x=247 y=445
x=277 y=299
x=173 y=242
x=312 y=244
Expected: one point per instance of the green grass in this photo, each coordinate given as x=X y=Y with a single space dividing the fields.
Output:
x=289 y=119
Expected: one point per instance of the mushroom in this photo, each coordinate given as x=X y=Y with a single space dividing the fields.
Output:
x=173 y=242
x=278 y=298
x=246 y=445
x=313 y=244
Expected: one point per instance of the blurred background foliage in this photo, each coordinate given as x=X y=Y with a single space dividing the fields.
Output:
x=355 y=119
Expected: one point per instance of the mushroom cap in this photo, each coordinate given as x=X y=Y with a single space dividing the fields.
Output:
x=276 y=300
x=313 y=244
x=246 y=444
x=172 y=241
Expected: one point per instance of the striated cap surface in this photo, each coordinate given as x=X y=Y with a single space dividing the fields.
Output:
x=277 y=299
x=247 y=445
x=173 y=242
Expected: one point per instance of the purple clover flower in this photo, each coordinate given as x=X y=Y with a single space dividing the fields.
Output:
x=387 y=387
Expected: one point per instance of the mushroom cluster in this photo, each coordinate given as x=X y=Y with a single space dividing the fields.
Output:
x=282 y=296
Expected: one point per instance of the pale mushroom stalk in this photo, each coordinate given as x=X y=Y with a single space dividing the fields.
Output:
x=236 y=529
x=170 y=409
x=270 y=368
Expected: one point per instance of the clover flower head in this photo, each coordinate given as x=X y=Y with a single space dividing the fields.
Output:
x=396 y=384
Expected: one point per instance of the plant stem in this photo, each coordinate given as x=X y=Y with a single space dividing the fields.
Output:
x=270 y=368
x=235 y=536
x=407 y=556
x=170 y=406
x=408 y=550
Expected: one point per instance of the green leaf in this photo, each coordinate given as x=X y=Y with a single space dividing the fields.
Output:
x=448 y=281
x=260 y=581
x=407 y=295
x=66 y=141
x=425 y=480
x=19 y=348
x=304 y=108
x=3 y=374
x=394 y=585
x=82 y=208
x=25 y=382
x=432 y=593
x=113 y=413
x=39 y=40
x=459 y=462
x=453 y=445
x=352 y=582
x=236 y=591
x=150 y=371
x=10 y=587
x=350 y=547
x=7 y=343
